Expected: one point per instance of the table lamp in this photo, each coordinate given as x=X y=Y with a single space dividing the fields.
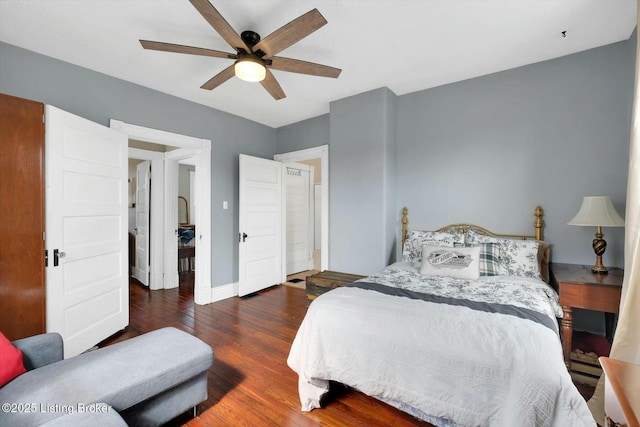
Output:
x=598 y=211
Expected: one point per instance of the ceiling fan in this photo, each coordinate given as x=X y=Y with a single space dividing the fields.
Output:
x=254 y=56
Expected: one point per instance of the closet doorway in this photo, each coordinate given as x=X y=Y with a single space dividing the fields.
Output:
x=319 y=158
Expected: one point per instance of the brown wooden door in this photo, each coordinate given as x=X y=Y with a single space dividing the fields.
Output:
x=22 y=218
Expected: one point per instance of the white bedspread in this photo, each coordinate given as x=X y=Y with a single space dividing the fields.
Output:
x=473 y=367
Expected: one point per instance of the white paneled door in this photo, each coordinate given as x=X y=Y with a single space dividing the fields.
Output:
x=86 y=223
x=143 y=208
x=299 y=222
x=260 y=224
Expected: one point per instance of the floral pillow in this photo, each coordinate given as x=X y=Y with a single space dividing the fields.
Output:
x=517 y=257
x=456 y=262
x=412 y=250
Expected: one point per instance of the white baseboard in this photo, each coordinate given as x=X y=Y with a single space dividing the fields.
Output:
x=207 y=294
x=216 y=293
x=219 y=293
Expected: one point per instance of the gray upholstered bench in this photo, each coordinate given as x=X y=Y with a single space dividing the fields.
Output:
x=147 y=381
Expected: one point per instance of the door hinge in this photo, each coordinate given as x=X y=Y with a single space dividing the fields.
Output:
x=46 y=258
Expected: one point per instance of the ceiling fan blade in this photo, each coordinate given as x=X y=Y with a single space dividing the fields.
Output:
x=217 y=21
x=219 y=78
x=290 y=33
x=272 y=86
x=304 y=67
x=191 y=50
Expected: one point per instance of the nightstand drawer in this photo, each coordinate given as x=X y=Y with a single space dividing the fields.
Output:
x=599 y=298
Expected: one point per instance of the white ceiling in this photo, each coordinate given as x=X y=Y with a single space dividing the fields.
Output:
x=405 y=45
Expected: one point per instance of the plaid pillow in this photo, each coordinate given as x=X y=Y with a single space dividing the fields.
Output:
x=517 y=257
x=490 y=259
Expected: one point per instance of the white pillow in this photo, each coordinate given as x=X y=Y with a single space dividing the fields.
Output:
x=460 y=262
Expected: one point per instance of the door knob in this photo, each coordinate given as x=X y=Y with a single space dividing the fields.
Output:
x=57 y=255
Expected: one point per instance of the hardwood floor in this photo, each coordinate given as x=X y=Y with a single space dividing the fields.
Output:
x=250 y=383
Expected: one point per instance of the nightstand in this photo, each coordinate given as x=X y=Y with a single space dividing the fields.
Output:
x=580 y=288
x=326 y=280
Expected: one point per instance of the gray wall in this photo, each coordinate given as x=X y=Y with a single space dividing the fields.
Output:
x=99 y=97
x=485 y=150
x=391 y=223
x=308 y=133
x=488 y=150
x=361 y=176
x=547 y=133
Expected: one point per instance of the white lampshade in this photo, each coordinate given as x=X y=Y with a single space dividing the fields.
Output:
x=597 y=211
x=250 y=70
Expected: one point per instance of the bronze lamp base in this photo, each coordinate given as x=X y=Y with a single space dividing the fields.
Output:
x=599 y=246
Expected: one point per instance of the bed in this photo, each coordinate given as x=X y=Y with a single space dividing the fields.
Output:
x=462 y=331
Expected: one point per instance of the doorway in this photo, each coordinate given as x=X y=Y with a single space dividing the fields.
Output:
x=298 y=180
x=164 y=202
x=186 y=223
x=319 y=158
x=141 y=217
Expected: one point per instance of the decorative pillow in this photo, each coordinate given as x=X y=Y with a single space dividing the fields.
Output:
x=457 y=262
x=517 y=257
x=11 y=364
x=490 y=259
x=412 y=250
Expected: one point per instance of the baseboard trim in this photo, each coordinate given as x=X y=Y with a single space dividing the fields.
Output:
x=219 y=293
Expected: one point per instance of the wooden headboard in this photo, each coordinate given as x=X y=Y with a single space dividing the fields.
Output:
x=538 y=225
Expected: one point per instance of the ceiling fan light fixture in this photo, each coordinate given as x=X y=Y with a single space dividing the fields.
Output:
x=253 y=55
x=250 y=69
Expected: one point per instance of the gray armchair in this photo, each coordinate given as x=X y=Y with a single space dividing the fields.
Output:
x=40 y=350
x=143 y=381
